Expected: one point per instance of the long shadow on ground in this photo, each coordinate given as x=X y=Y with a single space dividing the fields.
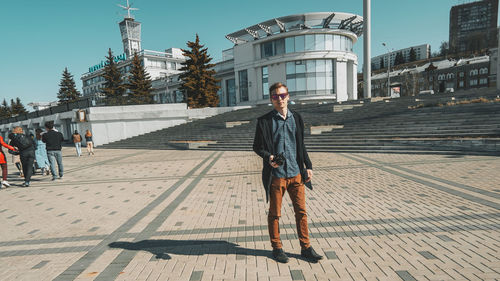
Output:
x=162 y=248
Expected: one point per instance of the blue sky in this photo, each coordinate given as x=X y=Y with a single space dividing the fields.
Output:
x=41 y=38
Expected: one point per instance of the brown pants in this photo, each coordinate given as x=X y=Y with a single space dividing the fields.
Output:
x=296 y=191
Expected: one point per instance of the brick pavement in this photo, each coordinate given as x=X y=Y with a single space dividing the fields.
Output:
x=201 y=215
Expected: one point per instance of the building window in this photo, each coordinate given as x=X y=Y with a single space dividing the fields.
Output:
x=473 y=82
x=272 y=48
x=243 y=79
x=461 y=74
x=231 y=92
x=461 y=84
x=474 y=72
x=310 y=77
x=483 y=70
x=483 y=81
x=265 y=82
x=441 y=77
x=309 y=42
x=450 y=76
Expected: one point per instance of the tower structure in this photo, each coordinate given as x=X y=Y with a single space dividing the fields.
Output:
x=131 y=32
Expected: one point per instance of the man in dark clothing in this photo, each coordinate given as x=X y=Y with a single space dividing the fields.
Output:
x=279 y=140
x=26 y=148
x=53 y=141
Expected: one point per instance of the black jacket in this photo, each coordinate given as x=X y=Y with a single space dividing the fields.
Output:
x=15 y=140
x=263 y=146
x=53 y=140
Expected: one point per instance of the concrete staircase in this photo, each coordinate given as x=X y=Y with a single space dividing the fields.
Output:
x=408 y=124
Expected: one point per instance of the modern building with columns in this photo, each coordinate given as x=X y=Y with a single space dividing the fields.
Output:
x=312 y=53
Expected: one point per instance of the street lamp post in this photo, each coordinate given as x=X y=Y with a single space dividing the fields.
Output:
x=388 y=70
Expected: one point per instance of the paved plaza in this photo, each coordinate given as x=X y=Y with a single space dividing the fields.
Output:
x=201 y=215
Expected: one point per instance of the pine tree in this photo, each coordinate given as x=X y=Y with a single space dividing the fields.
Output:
x=114 y=88
x=67 y=88
x=413 y=55
x=17 y=108
x=198 y=82
x=444 y=49
x=399 y=59
x=139 y=83
x=4 y=110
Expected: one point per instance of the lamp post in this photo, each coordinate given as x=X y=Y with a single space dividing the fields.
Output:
x=388 y=70
x=367 y=60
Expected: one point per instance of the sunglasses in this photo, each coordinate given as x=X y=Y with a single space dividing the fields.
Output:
x=276 y=97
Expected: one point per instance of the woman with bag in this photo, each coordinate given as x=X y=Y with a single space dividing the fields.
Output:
x=90 y=144
x=3 y=162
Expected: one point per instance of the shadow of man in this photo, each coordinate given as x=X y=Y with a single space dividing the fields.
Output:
x=162 y=248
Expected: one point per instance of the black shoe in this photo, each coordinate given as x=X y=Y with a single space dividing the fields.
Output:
x=310 y=254
x=280 y=256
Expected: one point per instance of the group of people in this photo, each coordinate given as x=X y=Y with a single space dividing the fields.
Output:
x=77 y=140
x=29 y=152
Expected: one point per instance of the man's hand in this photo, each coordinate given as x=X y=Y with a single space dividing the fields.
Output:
x=309 y=175
x=272 y=163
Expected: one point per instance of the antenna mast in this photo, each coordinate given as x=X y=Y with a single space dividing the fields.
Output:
x=128 y=8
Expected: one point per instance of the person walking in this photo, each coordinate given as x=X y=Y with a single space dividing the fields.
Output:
x=53 y=141
x=77 y=140
x=3 y=162
x=90 y=143
x=279 y=140
x=26 y=152
x=41 y=158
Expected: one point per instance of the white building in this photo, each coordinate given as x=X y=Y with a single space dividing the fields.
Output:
x=159 y=65
x=421 y=52
x=311 y=53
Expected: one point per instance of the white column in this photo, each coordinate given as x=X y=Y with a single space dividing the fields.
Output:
x=367 y=70
x=341 y=82
x=349 y=80
x=354 y=81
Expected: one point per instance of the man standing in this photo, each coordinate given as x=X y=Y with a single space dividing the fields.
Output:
x=53 y=140
x=77 y=140
x=279 y=140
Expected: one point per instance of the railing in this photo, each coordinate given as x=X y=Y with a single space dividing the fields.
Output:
x=84 y=103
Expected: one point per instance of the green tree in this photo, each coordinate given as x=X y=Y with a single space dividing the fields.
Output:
x=444 y=49
x=114 y=88
x=139 y=83
x=67 y=88
x=413 y=55
x=17 y=107
x=198 y=82
x=399 y=59
x=4 y=110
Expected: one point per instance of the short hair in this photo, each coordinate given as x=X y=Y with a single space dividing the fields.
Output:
x=49 y=125
x=276 y=86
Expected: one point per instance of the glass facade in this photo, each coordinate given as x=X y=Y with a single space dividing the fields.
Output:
x=310 y=77
x=231 y=92
x=310 y=42
x=243 y=79
x=265 y=82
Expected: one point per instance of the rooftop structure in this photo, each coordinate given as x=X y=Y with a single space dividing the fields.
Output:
x=329 y=20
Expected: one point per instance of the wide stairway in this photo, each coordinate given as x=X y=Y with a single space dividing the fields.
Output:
x=452 y=123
